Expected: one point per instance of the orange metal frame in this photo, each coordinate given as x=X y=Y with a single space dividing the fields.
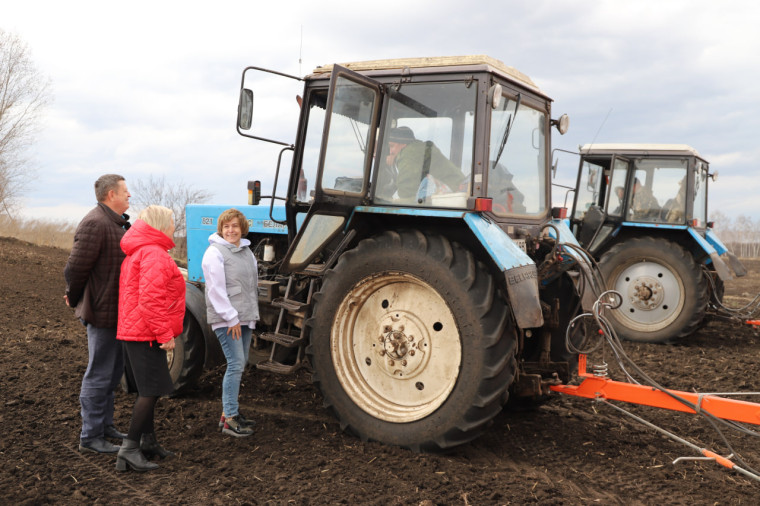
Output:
x=594 y=387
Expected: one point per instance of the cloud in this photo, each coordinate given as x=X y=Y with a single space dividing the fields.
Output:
x=151 y=87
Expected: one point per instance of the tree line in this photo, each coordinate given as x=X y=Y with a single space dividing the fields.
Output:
x=741 y=234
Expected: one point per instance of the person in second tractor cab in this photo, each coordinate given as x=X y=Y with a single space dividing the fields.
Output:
x=645 y=205
x=673 y=210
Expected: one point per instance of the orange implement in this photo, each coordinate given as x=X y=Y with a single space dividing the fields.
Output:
x=594 y=387
x=752 y=322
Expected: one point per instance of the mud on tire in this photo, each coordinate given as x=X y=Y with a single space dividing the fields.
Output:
x=411 y=342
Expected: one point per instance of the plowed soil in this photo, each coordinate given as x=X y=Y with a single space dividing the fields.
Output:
x=565 y=451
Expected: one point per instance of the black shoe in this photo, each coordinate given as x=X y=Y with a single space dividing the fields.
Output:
x=113 y=432
x=97 y=445
x=150 y=447
x=130 y=457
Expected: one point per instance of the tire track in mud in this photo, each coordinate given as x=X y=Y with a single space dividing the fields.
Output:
x=76 y=462
x=509 y=448
x=492 y=457
x=286 y=413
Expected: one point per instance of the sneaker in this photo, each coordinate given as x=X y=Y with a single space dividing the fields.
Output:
x=244 y=421
x=233 y=427
x=221 y=422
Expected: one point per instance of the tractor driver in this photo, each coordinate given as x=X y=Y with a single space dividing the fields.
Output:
x=645 y=205
x=418 y=168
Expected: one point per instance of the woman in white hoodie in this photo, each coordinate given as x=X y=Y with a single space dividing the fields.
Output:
x=232 y=308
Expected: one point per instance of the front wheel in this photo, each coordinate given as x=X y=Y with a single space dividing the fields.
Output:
x=411 y=343
x=664 y=292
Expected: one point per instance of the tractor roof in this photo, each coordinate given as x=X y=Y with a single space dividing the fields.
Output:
x=443 y=64
x=639 y=149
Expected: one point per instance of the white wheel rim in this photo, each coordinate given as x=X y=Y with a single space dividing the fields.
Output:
x=653 y=295
x=395 y=347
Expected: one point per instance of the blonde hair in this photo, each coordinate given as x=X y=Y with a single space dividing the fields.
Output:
x=158 y=217
x=229 y=215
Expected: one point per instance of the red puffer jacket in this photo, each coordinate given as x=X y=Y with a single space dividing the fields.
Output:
x=151 y=288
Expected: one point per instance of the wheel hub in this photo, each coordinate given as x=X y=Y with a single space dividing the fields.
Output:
x=646 y=293
x=402 y=354
x=653 y=295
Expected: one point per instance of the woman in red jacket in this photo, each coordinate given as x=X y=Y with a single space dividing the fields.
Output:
x=151 y=310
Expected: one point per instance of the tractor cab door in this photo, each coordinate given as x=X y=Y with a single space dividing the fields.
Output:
x=599 y=199
x=586 y=214
x=345 y=160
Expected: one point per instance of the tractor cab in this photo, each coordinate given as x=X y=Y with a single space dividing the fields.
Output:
x=638 y=185
x=430 y=138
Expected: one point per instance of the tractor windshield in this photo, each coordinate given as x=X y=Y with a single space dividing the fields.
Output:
x=659 y=191
x=517 y=179
x=426 y=156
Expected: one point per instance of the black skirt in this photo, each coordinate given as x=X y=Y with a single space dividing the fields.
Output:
x=146 y=369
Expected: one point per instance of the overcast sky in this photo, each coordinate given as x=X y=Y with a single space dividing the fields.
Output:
x=150 y=88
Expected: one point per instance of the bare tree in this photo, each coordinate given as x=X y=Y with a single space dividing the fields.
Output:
x=23 y=93
x=175 y=196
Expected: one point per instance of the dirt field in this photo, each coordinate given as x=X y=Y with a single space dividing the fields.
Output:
x=567 y=451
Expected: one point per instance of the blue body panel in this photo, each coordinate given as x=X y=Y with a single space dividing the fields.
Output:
x=202 y=222
x=566 y=236
x=503 y=250
x=653 y=225
x=412 y=211
x=702 y=241
x=716 y=243
x=697 y=236
x=563 y=227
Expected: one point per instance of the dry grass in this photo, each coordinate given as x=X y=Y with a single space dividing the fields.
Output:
x=41 y=232
x=61 y=235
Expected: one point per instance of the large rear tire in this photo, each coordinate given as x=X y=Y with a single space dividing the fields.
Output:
x=412 y=344
x=664 y=291
x=185 y=361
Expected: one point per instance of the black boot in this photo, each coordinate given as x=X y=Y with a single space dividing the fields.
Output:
x=130 y=456
x=150 y=447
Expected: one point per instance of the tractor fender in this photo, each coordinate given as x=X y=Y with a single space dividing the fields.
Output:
x=518 y=269
x=720 y=266
x=729 y=258
x=702 y=244
x=195 y=303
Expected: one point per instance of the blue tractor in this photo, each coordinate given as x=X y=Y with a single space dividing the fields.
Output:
x=414 y=264
x=641 y=211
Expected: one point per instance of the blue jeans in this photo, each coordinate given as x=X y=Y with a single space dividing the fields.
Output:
x=104 y=371
x=236 y=353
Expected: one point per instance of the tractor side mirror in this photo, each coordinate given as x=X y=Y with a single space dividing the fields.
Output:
x=245 y=109
x=562 y=124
